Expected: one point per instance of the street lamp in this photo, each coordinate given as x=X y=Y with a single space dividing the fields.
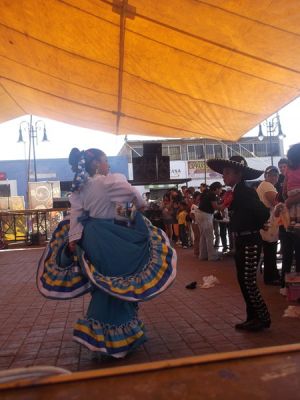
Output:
x=32 y=131
x=272 y=125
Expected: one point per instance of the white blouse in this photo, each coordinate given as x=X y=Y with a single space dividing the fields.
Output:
x=99 y=196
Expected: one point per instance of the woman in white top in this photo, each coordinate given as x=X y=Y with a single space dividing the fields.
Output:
x=267 y=193
x=119 y=265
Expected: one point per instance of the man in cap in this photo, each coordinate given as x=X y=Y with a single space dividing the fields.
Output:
x=268 y=195
x=247 y=216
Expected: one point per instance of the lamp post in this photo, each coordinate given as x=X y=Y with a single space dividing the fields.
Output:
x=272 y=125
x=32 y=131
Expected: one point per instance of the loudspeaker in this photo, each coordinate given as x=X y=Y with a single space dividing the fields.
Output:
x=65 y=188
x=41 y=194
x=163 y=168
x=151 y=168
x=61 y=202
x=152 y=149
x=4 y=190
x=144 y=169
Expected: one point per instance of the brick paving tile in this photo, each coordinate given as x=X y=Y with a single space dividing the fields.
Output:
x=53 y=352
x=22 y=363
x=180 y=323
x=32 y=339
x=45 y=361
x=5 y=361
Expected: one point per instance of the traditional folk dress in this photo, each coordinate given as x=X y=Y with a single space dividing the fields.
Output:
x=120 y=266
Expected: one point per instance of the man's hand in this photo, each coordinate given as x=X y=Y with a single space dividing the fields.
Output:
x=266 y=227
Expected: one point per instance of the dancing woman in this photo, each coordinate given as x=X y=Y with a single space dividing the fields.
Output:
x=119 y=265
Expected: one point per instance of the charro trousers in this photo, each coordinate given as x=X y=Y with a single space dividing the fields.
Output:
x=248 y=249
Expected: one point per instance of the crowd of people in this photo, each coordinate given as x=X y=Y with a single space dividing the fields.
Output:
x=201 y=218
x=122 y=264
x=258 y=223
x=197 y=218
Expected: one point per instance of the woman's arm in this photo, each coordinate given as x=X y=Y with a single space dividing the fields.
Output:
x=292 y=200
x=76 y=227
x=272 y=198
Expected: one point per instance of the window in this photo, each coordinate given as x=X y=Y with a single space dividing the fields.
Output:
x=195 y=152
x=260 y=149
x=273 y=149
x=136 y=152
x=209 y=149
x=218 y=151
x=233 y=150
x=174 y=152
x=246 y=149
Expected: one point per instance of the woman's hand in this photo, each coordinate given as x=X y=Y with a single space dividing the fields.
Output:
x=278 y=209
x=72 y=246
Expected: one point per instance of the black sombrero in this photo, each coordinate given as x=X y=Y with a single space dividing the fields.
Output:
x=236 y=162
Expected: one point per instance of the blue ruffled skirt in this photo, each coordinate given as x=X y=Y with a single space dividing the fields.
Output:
x=120 y=266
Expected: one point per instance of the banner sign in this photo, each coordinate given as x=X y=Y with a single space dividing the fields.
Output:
x=196 y=169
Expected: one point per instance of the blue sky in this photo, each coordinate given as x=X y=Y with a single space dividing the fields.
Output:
x=63 y=137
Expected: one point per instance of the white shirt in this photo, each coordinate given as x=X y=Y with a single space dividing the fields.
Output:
x=263 y=188
x=194 y=210
x=99 y=196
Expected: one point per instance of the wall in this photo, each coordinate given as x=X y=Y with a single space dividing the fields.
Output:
x=50 y=169
x=196 y=171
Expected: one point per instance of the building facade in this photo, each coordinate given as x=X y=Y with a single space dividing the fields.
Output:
x=187 y=156
x=49 y=171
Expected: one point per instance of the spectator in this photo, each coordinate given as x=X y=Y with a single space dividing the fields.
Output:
x=167 y=215
x=223 y=219
x=282 y=166
x=204 y=218
x=291 y=188
x=195 y=227
x=182 y=223
x=268 y=195
x=203 y=187
x=287 y=239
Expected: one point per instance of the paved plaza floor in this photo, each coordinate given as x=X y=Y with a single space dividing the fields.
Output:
x=180 y=322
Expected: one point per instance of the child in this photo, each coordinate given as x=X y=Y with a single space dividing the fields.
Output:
x=291 y=186
x=195 y=227
x=181 y=218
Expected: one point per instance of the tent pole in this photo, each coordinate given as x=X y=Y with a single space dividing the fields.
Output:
x=125 y=10
x=205 y=170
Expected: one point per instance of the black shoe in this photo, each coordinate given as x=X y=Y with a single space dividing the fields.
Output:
x=242 y=325
x=191 y=285
x=256 y=326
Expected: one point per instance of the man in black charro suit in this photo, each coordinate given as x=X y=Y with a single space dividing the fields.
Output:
x=247 y=216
